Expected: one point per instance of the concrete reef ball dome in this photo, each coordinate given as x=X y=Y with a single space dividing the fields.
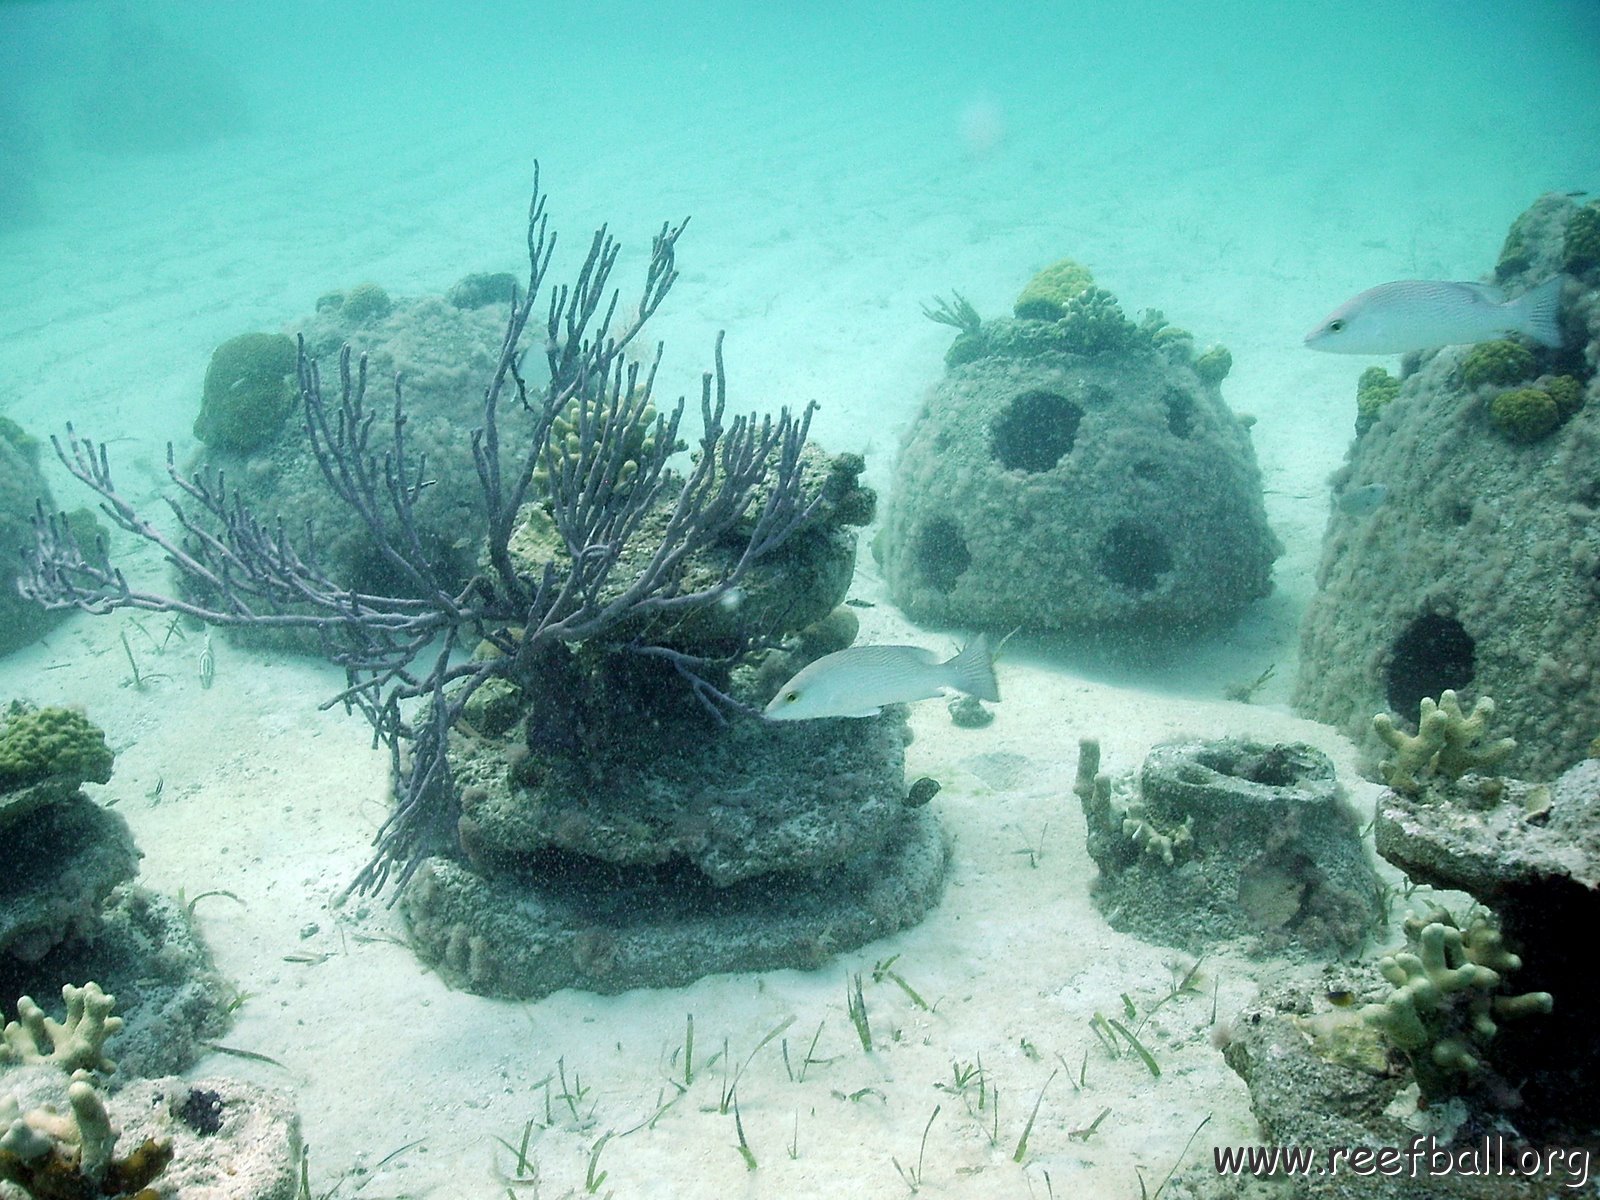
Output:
x=1480 y=570
x=1079 y=474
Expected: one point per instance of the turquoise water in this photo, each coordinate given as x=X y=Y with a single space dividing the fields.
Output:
x=176 y=174
x=1181 y=150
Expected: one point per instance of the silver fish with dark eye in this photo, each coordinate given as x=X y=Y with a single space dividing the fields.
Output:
x=860 y=680
x=1421 y=314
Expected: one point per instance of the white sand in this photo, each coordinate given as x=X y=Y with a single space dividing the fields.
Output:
x=1242 y=180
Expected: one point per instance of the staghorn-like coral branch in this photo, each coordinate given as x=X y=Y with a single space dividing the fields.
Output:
x=1448 y=743
x=598 y=494
x=78 y=1041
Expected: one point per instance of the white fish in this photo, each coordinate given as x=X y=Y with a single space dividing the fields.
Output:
x=1419 y=314
x=859 y=681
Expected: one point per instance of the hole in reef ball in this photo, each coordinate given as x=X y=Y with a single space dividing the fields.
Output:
x=941 y=553
x=1132 y=555
x=1276 y=766
x=1434 y=653
x=1036 y=431
x=1180 y=412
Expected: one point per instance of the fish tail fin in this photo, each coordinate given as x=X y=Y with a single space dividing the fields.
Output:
x=1539 y=312
x=972 y=671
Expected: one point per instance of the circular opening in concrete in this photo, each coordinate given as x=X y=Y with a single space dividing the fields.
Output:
x=940 y=553
x=1180 y=412
x=1133 y=555
x=1433 y=653
x=1275 y=766
x=1036 y=431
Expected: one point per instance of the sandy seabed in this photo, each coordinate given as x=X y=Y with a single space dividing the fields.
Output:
x=814 y=242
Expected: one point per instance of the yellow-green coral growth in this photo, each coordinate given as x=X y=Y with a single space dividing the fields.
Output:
x=1213 y=366
x=1524 y=414
x=250 y=389
x=1375 y=389
x=1499 y=362
x=1567 y=393
x=1581 y=249
x=44 y=743
x=1047 y=294
x=366 y=302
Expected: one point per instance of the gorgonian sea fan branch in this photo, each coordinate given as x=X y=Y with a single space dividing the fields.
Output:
x=401 y=650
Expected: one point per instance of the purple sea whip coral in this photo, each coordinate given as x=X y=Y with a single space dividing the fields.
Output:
x=746 y=481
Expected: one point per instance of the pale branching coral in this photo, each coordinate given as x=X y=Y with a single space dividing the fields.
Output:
x=1167 y=845
x=81 y=1139
x=1448 y=743
x=1448 y=999
x=48 y=1152
x=1115 y=805
x=78 y=1042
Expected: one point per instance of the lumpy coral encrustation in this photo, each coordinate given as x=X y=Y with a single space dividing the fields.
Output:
x=44 y=743
x=249 y=391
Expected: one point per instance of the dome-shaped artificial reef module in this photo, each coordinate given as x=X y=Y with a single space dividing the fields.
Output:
x=1480 y=569
x=615 y=835
x=1076 y=471
x=252 y=428
x=585 y=795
